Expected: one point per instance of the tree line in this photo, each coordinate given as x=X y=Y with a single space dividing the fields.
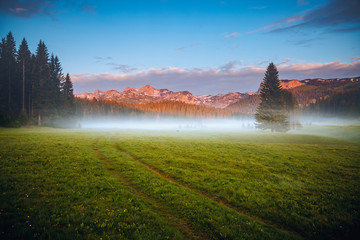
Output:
x=95 y=108
x=33 y=88
x=339 y=104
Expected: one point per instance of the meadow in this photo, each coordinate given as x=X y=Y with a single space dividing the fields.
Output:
x=92 y=184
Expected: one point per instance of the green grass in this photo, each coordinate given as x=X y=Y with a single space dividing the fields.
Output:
x=173 y=185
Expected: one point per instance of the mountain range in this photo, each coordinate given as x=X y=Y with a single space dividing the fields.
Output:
x=306 y=91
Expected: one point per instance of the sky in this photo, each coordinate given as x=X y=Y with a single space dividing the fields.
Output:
x=201 y=46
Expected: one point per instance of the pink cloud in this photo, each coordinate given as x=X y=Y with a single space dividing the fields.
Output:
x=232 y=35
x=356 y=58
x=282 y=23
x=18 y=10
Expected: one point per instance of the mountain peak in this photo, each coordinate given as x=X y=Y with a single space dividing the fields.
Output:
x=97 y=92
x=130 y=89
x=149 y=90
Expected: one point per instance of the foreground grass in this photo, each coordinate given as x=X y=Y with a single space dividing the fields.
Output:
x=132 y=185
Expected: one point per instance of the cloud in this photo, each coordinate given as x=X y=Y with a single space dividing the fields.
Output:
x=50 y=8
x=356 y=58
x=180 y=49
x=258 y=8
x=302 y=3
x=305 y=42
x=103 y=58
x=229 y=66
x=285 y=61
x=88 y=8
x=335 y=15
x=28 y=9
x=115 y=66
x=231 y=35
x=211 y=80
x=123 y=67
x=345 y=29
x=261 y=63
x=284 y=22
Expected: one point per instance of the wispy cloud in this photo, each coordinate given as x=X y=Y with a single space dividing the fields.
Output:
x=302 y=3
x=229 y=66
x=103 y=60
x=50 y=8
x=28 y=9
x=89 y=8
x=356 y=58
x=285 y=61
x=123 y=68
x=227 y=77
x=231 y=35
x=258 y=8
x=282 y=23
x=335 y=15
x=305 y=42
x=180 y=49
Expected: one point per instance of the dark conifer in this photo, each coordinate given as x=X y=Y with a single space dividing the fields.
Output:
x=68 y=96
x=55 y=82
x=8 y=66
x=24 y=70
x=271 y=112
x=3 y=81
x=42 y=94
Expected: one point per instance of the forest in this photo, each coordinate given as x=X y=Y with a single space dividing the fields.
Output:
x=174 y=109
x=33 y=87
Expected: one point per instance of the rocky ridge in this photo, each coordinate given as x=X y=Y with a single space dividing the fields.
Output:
x=148 y=94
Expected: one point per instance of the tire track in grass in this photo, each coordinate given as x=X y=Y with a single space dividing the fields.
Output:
x=222 y=202
x=163 y=211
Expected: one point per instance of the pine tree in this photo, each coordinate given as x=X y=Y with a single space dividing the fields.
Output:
x=3 y=81
x=68 y=96
x=271 y=112
x=8 y=72
x=42 y=94
x=24 y=70
x=55 y=81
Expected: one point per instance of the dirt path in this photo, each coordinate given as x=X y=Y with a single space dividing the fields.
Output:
x=163 y=211
x=221 y=202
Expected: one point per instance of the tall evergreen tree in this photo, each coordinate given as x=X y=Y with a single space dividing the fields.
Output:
x=3 y=81
x=24 y=68
x=55 y=81
x=68 y=96
x=31 y=87
x=8 y=72
x=42 y=94
x=271 y=113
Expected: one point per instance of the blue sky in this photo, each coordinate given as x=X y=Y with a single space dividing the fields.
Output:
x=206 y=47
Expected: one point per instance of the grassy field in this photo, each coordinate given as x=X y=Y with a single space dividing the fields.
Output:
x=77 y=184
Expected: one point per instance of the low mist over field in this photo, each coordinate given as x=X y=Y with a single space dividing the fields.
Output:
x=170 y=124
x=201 y=124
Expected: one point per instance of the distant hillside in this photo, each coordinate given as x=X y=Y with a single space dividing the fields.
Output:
x=86 y=108
x=308 y=92
x=149 y=94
